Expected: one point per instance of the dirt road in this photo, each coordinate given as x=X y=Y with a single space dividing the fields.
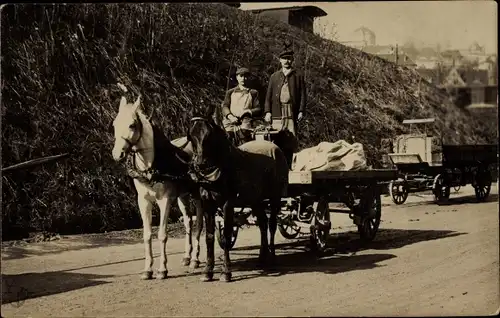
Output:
x=426 y=260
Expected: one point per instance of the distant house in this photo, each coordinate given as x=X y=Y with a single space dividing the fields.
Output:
x=453 y=79
x=426 y=63
x=433 y=76
x=360 y=38
x=301 y=17
x=402 y=59
x=451 y=57
x=471 y=87
x=388 y=53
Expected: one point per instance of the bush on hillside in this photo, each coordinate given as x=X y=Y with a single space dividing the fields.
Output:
x=61 y=64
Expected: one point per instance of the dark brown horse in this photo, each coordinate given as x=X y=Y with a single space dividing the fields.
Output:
x=253 y=175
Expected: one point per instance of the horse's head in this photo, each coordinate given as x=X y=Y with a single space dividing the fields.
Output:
x=127 y=128
x=210 y=148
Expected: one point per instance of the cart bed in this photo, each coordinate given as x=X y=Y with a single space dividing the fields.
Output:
x=468 y=155
x=310 y=177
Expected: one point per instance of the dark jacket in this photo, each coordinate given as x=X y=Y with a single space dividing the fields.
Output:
x=297 y=93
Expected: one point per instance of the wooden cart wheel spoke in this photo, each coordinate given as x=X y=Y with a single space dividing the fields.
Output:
x=483 y=185
x=321 y=222
x=370 y=220
x=288 y=228
x=398 y=192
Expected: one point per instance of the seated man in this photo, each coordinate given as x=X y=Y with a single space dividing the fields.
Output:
x=240 y=106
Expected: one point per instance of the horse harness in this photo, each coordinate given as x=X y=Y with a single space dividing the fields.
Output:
x=153 y=174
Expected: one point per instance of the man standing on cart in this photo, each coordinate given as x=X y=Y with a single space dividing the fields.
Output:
x=239 y=108
x=285 y=103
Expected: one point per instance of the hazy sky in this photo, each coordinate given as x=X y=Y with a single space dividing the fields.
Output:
x=458 y=23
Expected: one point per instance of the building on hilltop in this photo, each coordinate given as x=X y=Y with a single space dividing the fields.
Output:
x=300 y=16
x=390 y=53
x=472 y=87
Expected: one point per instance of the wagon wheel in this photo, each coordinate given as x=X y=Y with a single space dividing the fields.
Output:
x=287 y=227
x=219 y=233
x=320 y=226
x=439 y=189
x=482 y=186
x=399 y=192
x=370 y=221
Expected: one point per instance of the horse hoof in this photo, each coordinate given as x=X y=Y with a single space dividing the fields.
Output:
x=186 y=261
x=208 y=277
x=225 y=277
x=146 y=275
x=195 y=264
x=161 y=274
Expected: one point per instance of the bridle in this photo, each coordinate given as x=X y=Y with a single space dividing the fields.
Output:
x=131 y=144
x=195 y=168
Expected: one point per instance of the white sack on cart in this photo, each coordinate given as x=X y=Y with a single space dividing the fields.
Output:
x=328 y=156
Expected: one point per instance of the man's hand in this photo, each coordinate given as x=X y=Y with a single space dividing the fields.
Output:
x=268 y=117
x=233 y=119
x=300 y=116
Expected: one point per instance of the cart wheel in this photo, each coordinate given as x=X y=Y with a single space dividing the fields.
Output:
x=370 y=222
x=457 y=188
x=483 y=186
x=320 y=226
x=219 y=233
x=287 y=227
x=439 y=189
x=399 y=192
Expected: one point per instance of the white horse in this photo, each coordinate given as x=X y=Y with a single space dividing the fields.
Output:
x=160 y=175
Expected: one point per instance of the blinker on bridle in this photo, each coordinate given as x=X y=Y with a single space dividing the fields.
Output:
x=193 y=167
x=130 y=144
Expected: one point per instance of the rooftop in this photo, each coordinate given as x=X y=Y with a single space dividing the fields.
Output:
x=310 y=10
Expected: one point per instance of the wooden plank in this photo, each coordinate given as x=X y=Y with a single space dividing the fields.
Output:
x=300 y=177
x=34 y=162
x=419 y=121
x=375 y=174
x=398 y=158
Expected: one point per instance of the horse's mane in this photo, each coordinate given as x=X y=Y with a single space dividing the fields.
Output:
x=165 y=152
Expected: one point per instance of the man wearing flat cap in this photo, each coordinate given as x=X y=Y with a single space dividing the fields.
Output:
x=240 y=106
x=286 y=102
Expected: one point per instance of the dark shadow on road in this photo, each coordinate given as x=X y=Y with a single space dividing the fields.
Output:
x=469 y=199
x=55 y=247
x=299 y=259
x=385 y=239
x=298 y=262
x=20 y=249
x=17 y=288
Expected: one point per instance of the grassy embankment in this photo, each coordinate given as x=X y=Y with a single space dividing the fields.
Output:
x=61 y=64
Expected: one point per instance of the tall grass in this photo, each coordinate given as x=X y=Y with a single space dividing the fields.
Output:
x=61 y=64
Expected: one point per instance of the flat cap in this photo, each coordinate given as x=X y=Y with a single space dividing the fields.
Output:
x=242 y=70
x=286 y=53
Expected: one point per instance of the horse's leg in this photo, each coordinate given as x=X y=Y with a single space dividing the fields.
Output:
x=228 y=210
x=165 y=204
x=146 y=207
x=209 y=211
x=195 y=256
x=262 y=219
x=183 y=202
x=275 y=206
